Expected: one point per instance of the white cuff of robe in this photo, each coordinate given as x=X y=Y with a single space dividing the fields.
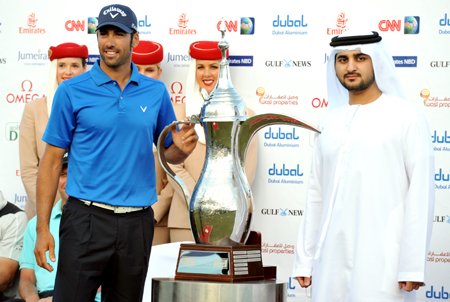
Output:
x=302 y=272
x=411 y=277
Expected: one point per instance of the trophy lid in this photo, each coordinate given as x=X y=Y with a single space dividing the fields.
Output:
x=223 y=103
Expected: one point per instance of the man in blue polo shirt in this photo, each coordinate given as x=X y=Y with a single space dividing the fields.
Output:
x=109 y=117
x=36 y=282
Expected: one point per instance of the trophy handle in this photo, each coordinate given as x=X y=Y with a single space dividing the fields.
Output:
x=251 y=126
x=163 y=161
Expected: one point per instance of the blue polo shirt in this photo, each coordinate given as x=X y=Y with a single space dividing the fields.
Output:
x=111 y=134
x=45 y=280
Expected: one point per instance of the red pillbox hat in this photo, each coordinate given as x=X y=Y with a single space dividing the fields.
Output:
x=68 y=50
x=205 y=50
x=147 y=53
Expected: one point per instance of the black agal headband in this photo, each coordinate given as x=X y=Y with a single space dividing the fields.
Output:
x=355 y=40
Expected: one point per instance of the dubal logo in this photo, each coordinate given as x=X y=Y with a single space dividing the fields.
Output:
x=92 y=25
x=32 y=29
x=440 y=139
x=33 y=58
x=444 y=22
x=439 y=294
x=12 y=131
x=182 y=27
x=240 y=61
x=282 y=138
x=289 y=25
x=394 y=25
x=441 y=177
x=285 y=171
x=176 y=93
x=282 y=212
x=341 y=25
x=410 y=61
x=288 y=63
x=144 y=24
x=25 y=95
x=75 y=25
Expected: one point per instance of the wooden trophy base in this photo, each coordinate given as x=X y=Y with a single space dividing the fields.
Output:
x=219 y=263
x=228 y=263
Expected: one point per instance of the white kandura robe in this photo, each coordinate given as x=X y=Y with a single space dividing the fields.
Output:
x=370 y=202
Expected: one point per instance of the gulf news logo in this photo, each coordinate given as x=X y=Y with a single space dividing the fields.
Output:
x=409 y=25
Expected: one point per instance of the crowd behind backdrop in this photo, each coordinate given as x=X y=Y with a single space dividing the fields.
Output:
x=278 y=54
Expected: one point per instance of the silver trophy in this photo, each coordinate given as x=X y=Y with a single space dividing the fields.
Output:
x=222 y=201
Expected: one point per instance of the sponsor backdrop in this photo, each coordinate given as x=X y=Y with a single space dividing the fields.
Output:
x=278 y=58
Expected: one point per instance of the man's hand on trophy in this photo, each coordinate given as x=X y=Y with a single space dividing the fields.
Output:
x=185 y=139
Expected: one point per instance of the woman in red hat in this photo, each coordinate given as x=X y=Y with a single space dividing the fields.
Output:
x=203 y=73
x=67 y=60
x=147 y=57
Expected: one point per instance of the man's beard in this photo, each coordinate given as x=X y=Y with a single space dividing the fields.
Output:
x=117 y=62
x=362 y=86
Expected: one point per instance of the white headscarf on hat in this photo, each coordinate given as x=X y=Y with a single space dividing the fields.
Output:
x=194 y=99
x=383 y=65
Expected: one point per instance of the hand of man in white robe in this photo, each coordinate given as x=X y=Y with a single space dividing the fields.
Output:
x=304 y=281
x=409 y=286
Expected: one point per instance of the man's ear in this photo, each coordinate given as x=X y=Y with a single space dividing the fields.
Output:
x=135 y=40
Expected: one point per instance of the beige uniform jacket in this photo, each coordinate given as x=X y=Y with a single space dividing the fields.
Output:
x=165 y=194
x=189 y=171
x=31 y=149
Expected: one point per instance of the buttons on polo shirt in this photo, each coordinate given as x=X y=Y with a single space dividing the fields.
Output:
x=114 y=83
x=121 y=97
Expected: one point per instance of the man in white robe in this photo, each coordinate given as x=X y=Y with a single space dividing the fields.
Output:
x=370 y=200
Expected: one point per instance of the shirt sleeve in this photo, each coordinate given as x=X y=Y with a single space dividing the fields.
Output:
x=165 y=117
x=62 y=122
x=12 y=230
x=310 y=224
x=27 y=258
x=28 y=150
x=419 y=204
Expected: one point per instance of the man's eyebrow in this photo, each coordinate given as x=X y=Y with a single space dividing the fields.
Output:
x=341 y=56
x=360 y=54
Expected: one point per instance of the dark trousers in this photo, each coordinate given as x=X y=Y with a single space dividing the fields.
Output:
x=100 y=248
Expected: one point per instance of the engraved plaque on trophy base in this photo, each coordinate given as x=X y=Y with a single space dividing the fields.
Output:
x=219 y=263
